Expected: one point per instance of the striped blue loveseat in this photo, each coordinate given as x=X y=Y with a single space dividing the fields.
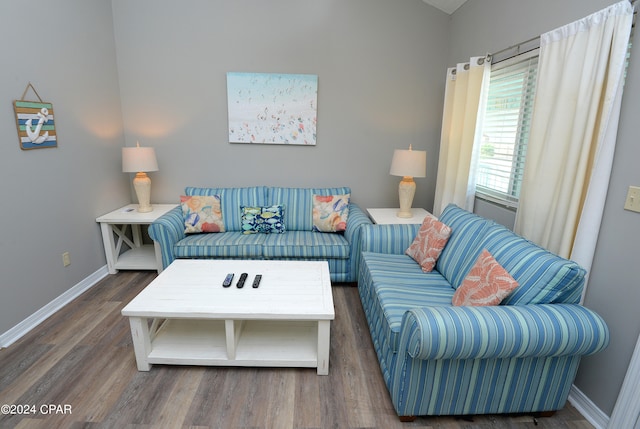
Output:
x=437 y=359
x=298 y=242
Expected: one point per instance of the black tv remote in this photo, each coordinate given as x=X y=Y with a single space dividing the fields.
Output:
x=256 y=281
x=241 y=280
x=227 y=280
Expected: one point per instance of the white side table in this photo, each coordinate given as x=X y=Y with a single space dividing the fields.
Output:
x=389 y=216
x=139 y=256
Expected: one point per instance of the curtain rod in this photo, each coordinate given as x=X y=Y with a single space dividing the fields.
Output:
x=534 y=43
x=512 y=51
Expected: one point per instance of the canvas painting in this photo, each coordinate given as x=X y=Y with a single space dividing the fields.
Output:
x=272 y=108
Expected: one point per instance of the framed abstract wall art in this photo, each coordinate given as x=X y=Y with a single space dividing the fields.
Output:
x=272 y=108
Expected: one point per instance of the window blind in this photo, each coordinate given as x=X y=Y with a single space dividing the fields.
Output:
x=505 y=128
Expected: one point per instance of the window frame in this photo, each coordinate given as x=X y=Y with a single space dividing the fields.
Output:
x=510 y=198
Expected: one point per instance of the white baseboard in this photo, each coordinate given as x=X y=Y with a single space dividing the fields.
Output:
x=22 y=328
x=588 y=409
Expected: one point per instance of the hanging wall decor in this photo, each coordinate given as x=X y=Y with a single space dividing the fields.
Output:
x=272 y=108
x=34 y=122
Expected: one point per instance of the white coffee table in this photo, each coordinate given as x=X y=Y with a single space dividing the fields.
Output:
x=186 y=317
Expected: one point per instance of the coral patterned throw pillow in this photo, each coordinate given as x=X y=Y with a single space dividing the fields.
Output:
x=428 y=244
x=201 y=214
x=330 y=212
x=487 y=283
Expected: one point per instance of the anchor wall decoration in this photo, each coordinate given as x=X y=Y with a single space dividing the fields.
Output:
x=35 y=122
x=34 y=135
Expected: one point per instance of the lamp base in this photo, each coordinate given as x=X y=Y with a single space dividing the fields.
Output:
x=404 y=215
x=142 y=185
x=406 y=191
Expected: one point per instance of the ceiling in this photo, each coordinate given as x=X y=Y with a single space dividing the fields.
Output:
x=448 y=6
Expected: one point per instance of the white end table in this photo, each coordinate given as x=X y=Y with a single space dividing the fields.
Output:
x=389 y=216
x=139 y=256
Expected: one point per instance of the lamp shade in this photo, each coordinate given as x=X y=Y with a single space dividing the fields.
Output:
x=139 y=159
x=411 y=163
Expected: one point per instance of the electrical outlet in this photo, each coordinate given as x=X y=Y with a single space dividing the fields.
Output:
x=633 y=199
x=66 y=259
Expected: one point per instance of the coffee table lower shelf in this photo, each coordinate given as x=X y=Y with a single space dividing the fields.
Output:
x=267 y=343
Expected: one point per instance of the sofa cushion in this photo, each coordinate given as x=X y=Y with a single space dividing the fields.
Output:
x=298 y=204
x=399 y=284
x=464 y=245
x=330 y=212
x=232 y=244
x=429 y=242
x=543 y=277
x=230 y=201
x=305 y=244
x=201 y=214
x=265 y=220
x=487 y=283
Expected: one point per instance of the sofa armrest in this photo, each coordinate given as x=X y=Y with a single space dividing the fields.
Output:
x=389 y=239
x=504 y=331
x=357 y=219
x=167 y=230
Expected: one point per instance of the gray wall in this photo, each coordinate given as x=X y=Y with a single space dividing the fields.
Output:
x=380 y=66
x=51 y=197
x=490 y=25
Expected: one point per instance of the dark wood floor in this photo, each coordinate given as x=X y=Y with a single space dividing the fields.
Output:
x=81 y=360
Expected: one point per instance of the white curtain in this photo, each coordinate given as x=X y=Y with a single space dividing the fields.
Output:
x=573 y=132
x=464 y=99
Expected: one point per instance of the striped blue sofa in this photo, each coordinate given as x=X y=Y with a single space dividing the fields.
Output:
x=298 y=242
x=437 y=359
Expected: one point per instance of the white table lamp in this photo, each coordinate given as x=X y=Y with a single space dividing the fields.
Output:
x=140 y=160
x=408 y=164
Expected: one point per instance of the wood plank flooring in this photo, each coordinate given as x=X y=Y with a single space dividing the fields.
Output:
x=82 y=358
